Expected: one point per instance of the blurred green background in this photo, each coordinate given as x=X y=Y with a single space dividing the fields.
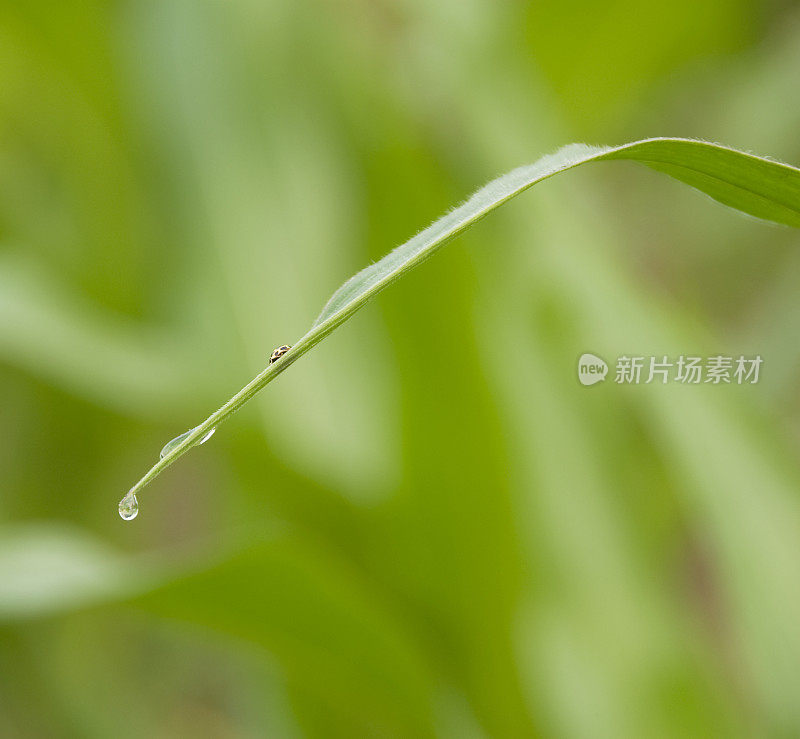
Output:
x=426 y=527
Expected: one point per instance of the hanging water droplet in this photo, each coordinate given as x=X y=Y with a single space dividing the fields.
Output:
x=129 y=507
x=172 y=443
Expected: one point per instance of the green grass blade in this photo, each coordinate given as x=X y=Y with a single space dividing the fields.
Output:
x=760 y=187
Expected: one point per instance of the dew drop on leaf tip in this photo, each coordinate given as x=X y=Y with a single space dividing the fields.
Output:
x=129 y=507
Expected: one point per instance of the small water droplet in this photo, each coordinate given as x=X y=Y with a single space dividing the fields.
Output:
x=207 y=436
x=172 y=443
x=129 y=507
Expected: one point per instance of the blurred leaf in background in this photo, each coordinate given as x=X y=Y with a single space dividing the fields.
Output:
x=427 y=527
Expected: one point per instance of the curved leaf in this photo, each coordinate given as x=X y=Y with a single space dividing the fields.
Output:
x=755 y=185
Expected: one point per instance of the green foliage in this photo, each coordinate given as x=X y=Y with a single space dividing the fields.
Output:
x=428 y=526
